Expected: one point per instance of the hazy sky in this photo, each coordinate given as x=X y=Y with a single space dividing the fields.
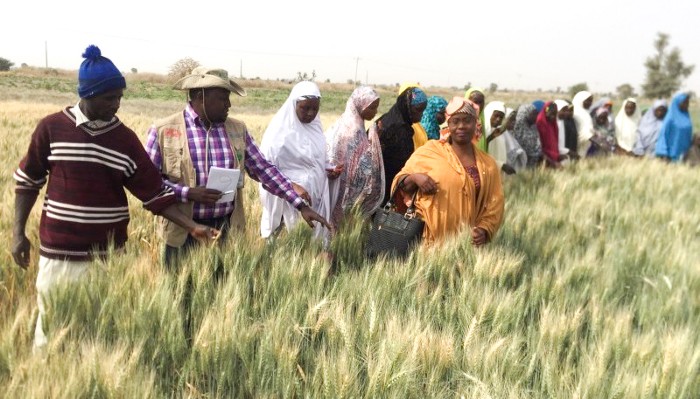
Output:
x=515 y=44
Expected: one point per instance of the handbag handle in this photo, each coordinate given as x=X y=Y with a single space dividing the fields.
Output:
x=411 y=211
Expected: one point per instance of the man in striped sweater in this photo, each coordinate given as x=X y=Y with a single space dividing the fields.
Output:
x=86 y=157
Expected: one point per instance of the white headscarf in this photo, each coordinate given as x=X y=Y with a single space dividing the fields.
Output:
x=299 y=152
x=497 y=146
x=561 y=104
x=584 y=122
x=626 y=126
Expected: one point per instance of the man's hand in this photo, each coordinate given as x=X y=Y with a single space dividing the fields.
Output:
x=311 y=216
x=301 y=191
x=20 y=250
x=479 y=236
x=204 y=233
x=203 y=195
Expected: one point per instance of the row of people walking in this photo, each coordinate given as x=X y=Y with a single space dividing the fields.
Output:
x=86 y=157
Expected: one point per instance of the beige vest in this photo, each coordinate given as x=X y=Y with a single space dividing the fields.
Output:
x=177 y=166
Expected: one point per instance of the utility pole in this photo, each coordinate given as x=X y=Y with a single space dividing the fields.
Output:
x=46 y=53
x=357 y=62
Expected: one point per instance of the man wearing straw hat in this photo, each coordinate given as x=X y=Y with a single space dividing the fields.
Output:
x=186 y=145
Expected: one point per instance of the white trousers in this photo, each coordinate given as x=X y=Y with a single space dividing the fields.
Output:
x=53 y=272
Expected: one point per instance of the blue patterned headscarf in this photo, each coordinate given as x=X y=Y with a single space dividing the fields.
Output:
x=418 y=96
x=428 y=121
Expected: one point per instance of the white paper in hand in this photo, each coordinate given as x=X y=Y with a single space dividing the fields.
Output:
x=224 y=180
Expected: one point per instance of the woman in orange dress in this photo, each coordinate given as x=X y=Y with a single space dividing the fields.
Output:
x=459 y=186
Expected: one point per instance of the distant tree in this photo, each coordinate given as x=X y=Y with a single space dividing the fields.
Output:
x=665 y=70
x=5 y=64
x=583 y=86
x=493 y=87
x=24 y=65
x=625 y=90
x=182 y=68
x=467 y=86
x=305 y=76
x=134 y=70
x=328 y=80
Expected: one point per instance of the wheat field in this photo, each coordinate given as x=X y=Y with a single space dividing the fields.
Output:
x=590 y=290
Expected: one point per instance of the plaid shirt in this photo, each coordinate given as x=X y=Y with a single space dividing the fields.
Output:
x=221 y=155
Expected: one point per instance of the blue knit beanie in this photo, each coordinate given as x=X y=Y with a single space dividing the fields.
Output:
x=98 y=74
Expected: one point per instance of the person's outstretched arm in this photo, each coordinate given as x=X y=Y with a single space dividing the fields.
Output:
x=276 y=183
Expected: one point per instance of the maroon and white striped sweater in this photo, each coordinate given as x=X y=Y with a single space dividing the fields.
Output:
x=85 y=206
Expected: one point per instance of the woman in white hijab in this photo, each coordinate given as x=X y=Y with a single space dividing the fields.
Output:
x=294 y=141
x=584 y=123
x=494 y=127
x=626 y=124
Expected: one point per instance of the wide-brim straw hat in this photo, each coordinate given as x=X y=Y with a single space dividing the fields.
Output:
x=204 y=78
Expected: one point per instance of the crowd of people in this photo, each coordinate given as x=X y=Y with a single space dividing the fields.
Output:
x=447 y=157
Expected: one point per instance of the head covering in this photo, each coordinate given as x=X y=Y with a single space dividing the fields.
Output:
x=539 y=104
x=299 y=152
x=408 y=85
x=580 y=98
x=361 y=183
x=205 y=78
x=568 y=136
x=626 y=126
x=459 y=105
x=492 y=107
x=516 y=156
x=473 y=90
x=428 y=121
x=561 y=104
x=676 y=131
x=396 y=136
x=527 y=135
x=648 y=130
x=601 y=103
x=584 y=122
x=549 y=132
x=97 y=74
x=418 y=97
x=497 y=145
x=601 y=111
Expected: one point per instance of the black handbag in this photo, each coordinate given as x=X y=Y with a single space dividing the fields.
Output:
x=393 y=233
